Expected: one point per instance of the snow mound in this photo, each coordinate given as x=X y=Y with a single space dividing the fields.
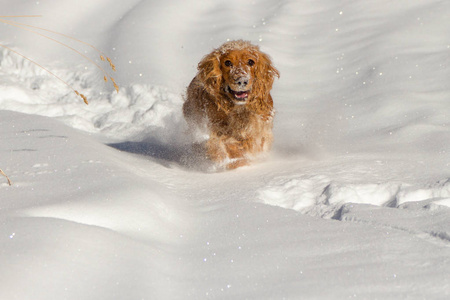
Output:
x=439 y=192
x=320 y=196
x=127 y=115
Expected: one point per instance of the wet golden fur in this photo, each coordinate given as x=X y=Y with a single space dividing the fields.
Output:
x=238 y=130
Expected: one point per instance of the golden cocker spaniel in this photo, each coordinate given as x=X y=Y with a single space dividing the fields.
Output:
x=230 y=98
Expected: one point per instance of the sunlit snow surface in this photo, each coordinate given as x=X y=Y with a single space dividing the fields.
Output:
x=108 y=202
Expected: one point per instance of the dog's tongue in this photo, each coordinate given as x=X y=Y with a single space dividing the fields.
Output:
x=241 y=94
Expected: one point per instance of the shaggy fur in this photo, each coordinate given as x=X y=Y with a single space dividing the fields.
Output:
x=230 y=97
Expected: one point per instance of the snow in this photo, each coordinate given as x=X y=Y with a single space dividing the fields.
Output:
x=107 y=201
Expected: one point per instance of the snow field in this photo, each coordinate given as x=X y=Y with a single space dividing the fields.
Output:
x=105 y=203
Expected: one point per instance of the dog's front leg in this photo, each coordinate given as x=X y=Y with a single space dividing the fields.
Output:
x=227 y=152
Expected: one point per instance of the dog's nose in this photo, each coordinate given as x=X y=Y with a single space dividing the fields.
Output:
x=242 y=81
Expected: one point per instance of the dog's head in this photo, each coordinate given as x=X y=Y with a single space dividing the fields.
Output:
x=238 y=70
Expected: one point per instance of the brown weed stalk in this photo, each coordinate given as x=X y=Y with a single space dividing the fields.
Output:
x=7 y=178
x=38 y=31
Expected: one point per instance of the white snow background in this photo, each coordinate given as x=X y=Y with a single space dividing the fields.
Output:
x=353 y=202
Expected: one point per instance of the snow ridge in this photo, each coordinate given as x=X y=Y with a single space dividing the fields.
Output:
x=320 y=196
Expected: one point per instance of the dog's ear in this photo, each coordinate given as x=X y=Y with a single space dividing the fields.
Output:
x=209 y=72
x=265 y=74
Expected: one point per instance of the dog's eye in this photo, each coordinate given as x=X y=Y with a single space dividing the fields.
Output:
x=251 y=62
x=228 y=63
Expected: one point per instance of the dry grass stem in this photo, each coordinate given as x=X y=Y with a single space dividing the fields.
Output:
x=7 y=178
x=30 y=28
x=113 y=67
x=84 y=99
x=114 y=83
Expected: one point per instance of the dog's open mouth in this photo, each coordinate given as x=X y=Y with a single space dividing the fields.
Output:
x=240 y=96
